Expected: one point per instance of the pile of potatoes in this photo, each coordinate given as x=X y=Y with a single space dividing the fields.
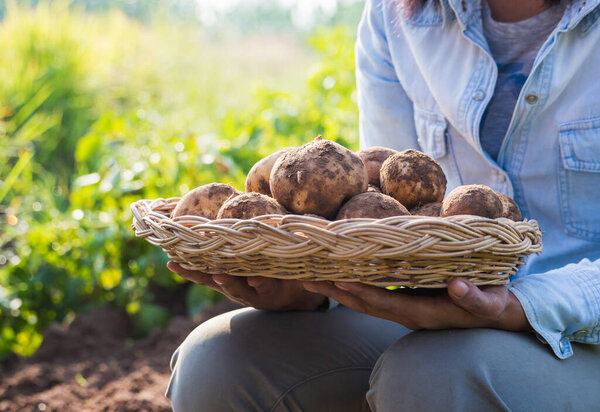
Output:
x=323 y=178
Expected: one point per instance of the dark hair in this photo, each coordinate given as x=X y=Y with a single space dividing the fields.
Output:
x=411 y=6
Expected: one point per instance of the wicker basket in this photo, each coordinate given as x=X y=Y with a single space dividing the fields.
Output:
x=414 y=251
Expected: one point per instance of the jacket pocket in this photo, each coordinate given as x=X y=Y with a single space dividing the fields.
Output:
x=579 y=177
x=431 y=132
x=435 y=139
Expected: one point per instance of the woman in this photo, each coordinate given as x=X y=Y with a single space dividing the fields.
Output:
x=503 y=93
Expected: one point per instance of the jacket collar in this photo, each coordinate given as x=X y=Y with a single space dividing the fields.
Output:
x=467 y=12
x=581 y=11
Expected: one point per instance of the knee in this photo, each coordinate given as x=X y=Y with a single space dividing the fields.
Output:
x=438 y=370
x=207 y=367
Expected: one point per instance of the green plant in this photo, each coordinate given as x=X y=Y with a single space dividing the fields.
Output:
x=90 y=124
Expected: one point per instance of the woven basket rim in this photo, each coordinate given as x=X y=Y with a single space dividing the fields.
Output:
x=408 y=246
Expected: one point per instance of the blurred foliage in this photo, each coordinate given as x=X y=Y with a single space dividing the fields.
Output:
x=90 y=123
x=272 y=16
x=247 y=17
x=143 y=10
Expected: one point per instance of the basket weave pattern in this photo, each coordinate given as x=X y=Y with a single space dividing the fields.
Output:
x=413 y=251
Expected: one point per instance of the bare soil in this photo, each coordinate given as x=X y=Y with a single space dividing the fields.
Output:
x=93 y=365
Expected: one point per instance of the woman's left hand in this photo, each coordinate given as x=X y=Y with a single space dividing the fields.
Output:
x=464 y=305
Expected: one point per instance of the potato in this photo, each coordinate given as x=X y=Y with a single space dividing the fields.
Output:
x=249 y=205
x=477 y=200
x=204 y=201
x=373 y=205
x=258 y=177
x=433 y=209
x=373 y=158
x=413 y=178
x=317 y=178
x=510 y=209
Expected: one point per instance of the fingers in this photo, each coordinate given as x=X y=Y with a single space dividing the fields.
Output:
x=482 y=304
x=262 y=285
x=227 y=285
x=491 y=306
x=378 y=299
x=343 y=297
x=195 y=276
x=176 y=268
x=464 y=306
x=413 y=311
x=235 y=288
x=259 y=292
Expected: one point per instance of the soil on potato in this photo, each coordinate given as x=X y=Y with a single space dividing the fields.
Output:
x=91 y=365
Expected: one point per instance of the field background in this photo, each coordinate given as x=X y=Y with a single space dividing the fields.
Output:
x=104 y=102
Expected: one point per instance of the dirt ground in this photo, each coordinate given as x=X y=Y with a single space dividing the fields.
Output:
x=91 y=365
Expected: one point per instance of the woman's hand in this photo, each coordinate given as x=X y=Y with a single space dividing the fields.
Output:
x=463 y=306
x=258 y=292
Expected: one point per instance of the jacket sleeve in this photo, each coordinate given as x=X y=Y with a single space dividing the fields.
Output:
x=563 y=305
x=385 y=110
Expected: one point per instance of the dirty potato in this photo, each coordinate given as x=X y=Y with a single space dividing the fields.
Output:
x=258 y=177
x=373 y=158
x=372 y=205
x=317 y=178
x=510 y=209
x=204 y=201
x=433 y=209
x=249 y=205
x=413 y=178
x=477 y=200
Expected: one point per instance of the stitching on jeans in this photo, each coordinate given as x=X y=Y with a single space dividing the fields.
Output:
x=318 y=375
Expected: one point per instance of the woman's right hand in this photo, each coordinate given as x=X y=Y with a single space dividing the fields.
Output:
x=258 y=292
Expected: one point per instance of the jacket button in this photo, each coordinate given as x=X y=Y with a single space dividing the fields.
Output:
x=478 y=95
x=531 y=98
x=563 y=345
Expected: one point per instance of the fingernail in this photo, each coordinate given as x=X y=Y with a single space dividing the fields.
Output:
x=255 y=282
x=341 y=285
x=219 y=280
x=460 y=289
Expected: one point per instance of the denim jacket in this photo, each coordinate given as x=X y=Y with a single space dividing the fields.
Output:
x=424 y=82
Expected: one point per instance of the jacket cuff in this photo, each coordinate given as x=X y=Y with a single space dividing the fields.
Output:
x=562 y=305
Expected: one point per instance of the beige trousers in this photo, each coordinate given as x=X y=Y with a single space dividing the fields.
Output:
x=250 y=360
